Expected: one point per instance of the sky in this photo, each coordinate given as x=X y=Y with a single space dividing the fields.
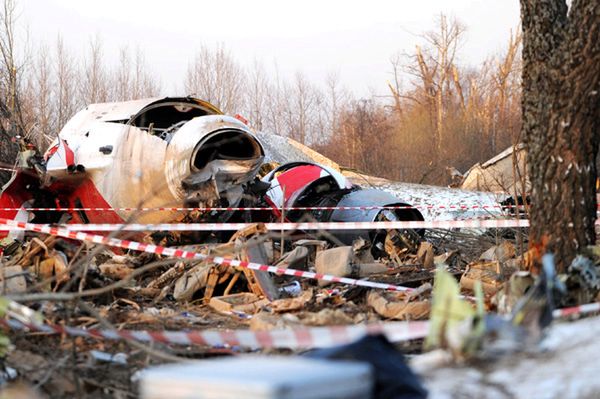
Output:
x=354 y=39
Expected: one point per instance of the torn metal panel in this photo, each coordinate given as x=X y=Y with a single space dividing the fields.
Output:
x=150 y=153
x=502 y=173
x=290 y=182
x=434 y=202
x=369 y=197
x=282 y=150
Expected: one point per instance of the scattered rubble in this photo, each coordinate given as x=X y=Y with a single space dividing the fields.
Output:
x=483 y=294
x=152 y=292
x=96 y=288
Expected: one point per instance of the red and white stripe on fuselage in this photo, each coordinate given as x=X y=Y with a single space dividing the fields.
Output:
x=290 y=182
x=287 y=185
x=13 y=197
x=84 y=194
x=59 y=156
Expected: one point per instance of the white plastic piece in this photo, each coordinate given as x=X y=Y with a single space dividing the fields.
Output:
x=257 y=377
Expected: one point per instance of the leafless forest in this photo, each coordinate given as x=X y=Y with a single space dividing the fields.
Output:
x=438 y=113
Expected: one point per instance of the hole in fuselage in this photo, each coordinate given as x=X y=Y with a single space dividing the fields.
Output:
x=229 y=145
x=163 y=119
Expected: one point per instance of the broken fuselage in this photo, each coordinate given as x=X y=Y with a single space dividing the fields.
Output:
x=151 y=153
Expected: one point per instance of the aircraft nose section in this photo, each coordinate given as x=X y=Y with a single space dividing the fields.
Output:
x=226 y=145
x=220 y=164
x=210 y=158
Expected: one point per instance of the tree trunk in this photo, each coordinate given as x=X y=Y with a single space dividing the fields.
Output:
x=561 y=117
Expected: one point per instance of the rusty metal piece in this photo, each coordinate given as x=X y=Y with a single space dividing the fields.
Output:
x=211 y=283
x=167 y=276
x=34 y=250
x=232 y=282
x=116 y=271
x=398 y=306
x=491 y=274
x=54 y=266
x=291 y=304
x=425 y=255
x=242 y=302
x=257 y=228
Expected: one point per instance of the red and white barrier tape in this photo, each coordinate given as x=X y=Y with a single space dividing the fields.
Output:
x=179 y=253
x=287 y=209
x=307 y=337
x=7 y=169
x=581 y=309
x=428 y=224
x=298 y=338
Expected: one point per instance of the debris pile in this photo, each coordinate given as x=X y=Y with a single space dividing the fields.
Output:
x=87 y=286
x=261 y=257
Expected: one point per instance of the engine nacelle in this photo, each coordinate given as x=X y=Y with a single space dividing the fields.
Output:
x=209 y=157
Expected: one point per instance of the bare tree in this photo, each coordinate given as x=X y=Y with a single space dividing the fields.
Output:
x=303 y=105
x=12 y=65
x=11 y=69
x=95 y=80
x=335 y=99
x=561 y=120
x=275 y=117
x=66 y=82
x=433 y=66
x=257 y=96
x=122 y=85
x=216 y=77
x=132 y=79
x=41 y=101
x=144 y=83
x=505 y=80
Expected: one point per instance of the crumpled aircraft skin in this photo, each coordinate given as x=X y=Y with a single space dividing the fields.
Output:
x=169 y=152
x=183 y=152
x=305 y=184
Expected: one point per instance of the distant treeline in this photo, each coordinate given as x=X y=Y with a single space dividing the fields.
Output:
x=437 y=113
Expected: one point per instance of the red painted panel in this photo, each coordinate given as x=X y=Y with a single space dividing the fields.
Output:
x=297 y=178
x=90 y=197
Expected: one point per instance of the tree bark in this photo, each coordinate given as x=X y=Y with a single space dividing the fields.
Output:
x=561 y=117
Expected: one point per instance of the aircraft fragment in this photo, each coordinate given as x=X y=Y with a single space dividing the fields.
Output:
x=183 y=152
x=145 y=153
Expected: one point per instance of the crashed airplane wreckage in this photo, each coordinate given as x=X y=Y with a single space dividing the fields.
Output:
x=159 y=154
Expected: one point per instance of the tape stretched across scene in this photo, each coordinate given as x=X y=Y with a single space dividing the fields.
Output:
x=286 y=209
x=297 y=338
x=180 y=253
x=577 y=310
x=427 y=224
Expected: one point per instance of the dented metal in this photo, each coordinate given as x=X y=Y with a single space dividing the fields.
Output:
x=183 y=152
x=163 y=152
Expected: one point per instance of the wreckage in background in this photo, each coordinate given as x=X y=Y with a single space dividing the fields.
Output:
x=183 y=152
x=506 y=172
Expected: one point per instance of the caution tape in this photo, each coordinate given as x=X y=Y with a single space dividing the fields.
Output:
x=427 y=224
x=575 y=310
x=286 y=209
x=297 y=338
x=180 y=253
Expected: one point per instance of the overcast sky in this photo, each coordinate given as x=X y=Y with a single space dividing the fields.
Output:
x=354 y=38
